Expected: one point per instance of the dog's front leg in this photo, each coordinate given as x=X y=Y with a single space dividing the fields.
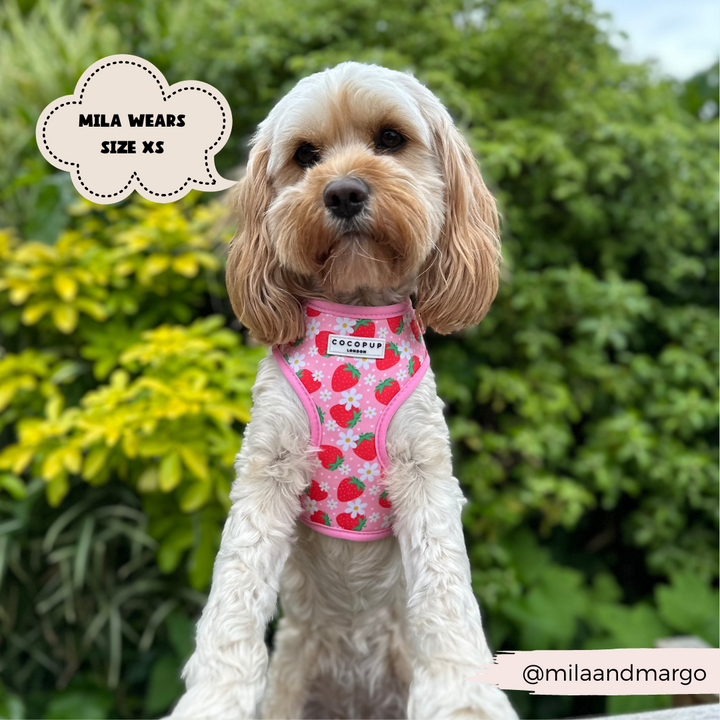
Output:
x=225 y=677
x=443 y=614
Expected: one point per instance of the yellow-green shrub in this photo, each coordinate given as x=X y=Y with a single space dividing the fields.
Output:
x=159 y=409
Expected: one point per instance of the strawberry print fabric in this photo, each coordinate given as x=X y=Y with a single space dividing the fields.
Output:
x=350 y=402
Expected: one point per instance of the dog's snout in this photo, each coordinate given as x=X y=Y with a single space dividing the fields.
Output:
x=346 y=197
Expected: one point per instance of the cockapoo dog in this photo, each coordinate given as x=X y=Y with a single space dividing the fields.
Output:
x=359 y=195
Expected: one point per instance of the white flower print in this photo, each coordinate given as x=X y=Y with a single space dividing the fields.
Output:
x=348 y=440
x=313 y=351
x=407 y=317
x=316 y=463
x=370 y=379
x=310 y=505
x=371 y=412
x=313 y=328
x=344 y=325
x=362 y=363
x=297 y=361
x=387 y=519
x=351 y=398
x=374 y=517
x=318 y=374
x=325 y=394
x=369 y=471
x=332 y=425
x=344 y=469
x=382 y=332
x=355 y=508
x=324 y=486
x=332 y=503
x=402 y=374
x=373 y=489
x=405 y=350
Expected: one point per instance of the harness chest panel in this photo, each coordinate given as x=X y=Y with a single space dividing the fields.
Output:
x=352 y=370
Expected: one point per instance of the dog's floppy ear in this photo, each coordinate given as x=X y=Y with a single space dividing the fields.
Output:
x=258 y=286
x=460 y=278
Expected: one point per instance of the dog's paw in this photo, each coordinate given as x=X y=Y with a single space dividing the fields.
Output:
x=488 y=711
x=440 y=690
x=231 y=701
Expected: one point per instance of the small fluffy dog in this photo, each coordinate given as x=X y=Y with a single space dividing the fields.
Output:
x=359 y=192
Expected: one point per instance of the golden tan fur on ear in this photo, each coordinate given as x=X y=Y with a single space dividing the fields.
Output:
x=460 y=278
x=261 y=291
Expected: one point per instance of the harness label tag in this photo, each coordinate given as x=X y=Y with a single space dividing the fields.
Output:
x=346 y=346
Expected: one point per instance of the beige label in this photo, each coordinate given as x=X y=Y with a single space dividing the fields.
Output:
x=126 y=129
x=627 y=671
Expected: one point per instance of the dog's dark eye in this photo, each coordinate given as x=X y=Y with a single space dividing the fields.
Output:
x=389 y=140
x=307 y=155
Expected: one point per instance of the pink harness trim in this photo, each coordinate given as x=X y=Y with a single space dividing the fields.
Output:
x=303 y=358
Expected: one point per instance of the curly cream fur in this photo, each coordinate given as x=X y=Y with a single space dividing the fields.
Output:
x=382 y=629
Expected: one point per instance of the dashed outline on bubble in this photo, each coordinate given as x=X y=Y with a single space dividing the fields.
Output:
x=134 y=174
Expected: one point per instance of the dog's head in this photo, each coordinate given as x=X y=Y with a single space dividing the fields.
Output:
x=358 y=180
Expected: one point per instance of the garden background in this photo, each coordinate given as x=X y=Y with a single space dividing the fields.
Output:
x=583 y=409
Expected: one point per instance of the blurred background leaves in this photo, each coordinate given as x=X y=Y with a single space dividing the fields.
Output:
x=583 y=410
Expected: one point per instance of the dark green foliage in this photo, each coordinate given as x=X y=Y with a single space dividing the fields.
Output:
x=81 y=605
x=583 y=409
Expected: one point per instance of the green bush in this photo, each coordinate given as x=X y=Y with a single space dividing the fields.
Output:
x=583 y=409
x=42 y=55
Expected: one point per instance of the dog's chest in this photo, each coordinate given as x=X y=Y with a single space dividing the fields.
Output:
x=352 y=369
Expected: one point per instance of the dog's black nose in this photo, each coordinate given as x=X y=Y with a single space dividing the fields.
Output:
x=346 y=197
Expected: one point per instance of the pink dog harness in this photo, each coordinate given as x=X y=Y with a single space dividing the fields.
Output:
x=352 y=370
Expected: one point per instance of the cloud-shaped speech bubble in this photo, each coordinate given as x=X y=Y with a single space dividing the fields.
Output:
x=126 y=129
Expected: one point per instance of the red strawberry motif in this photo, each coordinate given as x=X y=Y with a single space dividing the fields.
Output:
x=392 y=357
x=365 y=449
x=350 y=488
x=396 y=324
x=383 y=500
x=311 y=384
x=346 y=418
x=348 y=522
x=413 y=365
x=330 y=457
x=364 y=328
x=298 y=341
x=415 y=327
x=386 y=390
x=321 y=342
x=312 y=312
x=320 y=517
x=321 y=414
x=345 y=377
x=315 y=491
